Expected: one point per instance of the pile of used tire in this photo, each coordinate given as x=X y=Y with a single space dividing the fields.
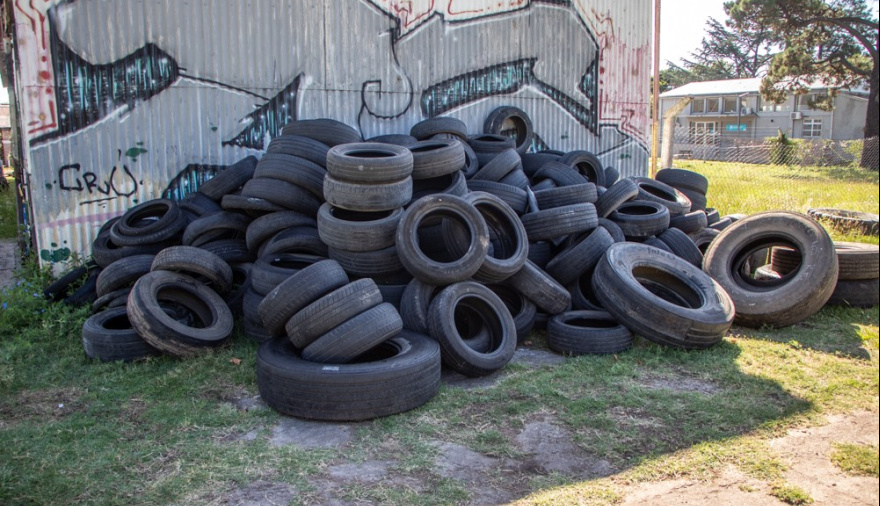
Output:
x=361 y=267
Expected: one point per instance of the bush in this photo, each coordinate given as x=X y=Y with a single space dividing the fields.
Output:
x=782 y=149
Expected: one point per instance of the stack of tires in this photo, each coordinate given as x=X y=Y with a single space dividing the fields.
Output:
x=858 y=271
x=366 y=188
x=170 y=302
x=360 y=267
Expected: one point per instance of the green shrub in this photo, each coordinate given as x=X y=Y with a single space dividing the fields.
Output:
x=782 y=149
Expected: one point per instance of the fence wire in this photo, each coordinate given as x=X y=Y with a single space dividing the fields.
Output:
x=767 y=171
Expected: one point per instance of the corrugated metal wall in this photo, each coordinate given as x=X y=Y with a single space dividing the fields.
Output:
x=123 y=101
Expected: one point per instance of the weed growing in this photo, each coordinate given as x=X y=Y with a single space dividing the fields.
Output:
x=856 y=459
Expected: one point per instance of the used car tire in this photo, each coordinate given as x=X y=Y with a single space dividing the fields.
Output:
x=587 y=332
x=369 y=162
x=355 y=336
x=661 y=297
x=455 y=353
x=781 y=302
x=400 y=374
x=431 y=270
x=298 y=291
x=213 y=317
x=108 y=336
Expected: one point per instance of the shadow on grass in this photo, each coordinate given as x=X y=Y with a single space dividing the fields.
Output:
x=832 y=330
x=534 y=429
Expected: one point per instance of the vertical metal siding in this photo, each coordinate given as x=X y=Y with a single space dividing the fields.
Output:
x=128 y=100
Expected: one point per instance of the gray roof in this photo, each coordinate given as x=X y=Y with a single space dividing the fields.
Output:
x=724 y=87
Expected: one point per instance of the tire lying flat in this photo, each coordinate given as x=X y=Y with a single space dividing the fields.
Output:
x=400 y=374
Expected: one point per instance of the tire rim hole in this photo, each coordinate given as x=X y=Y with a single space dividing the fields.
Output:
x=491 y=320
x=386 y=350
x=184 y=308
x=636 y=210
x=657 y=192
x=366 y=153
x=745 y=269
x=446 y=227
x=668 y=287
x=513 y=127
x=118 y=322
x=358 y=216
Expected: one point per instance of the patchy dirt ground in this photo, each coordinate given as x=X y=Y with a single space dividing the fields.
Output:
x=807 y=452
x=544 y=446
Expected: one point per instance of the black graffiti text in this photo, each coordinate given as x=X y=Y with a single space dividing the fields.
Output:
x=119 y=183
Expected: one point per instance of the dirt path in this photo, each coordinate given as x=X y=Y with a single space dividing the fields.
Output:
x=8 y=261
x=807 y=454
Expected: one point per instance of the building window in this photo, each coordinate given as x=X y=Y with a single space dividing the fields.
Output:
x=812 y=128
x=771 y=107
x=703 y=132
x=712 y=105
x=698 y=106
x=804 y=101
x=730 y=104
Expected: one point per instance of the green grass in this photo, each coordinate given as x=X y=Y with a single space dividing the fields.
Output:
x=790 y=494
x=856 y=459
x=8 y=216
x=752 y=188
x=163 y=430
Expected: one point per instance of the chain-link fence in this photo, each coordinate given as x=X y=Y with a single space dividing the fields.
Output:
x=774 y=148
x=771 y=171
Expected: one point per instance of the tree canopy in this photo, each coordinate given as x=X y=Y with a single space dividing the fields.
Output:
x=726 y=52
x=834 y=42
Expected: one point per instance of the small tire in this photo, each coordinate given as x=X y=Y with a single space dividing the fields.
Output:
x=355 y=336
x=846 y=220
x=587 y=332
x=435 y=158
x=496 y=319
x=229 y=179
x=683 y=179
x=656 y=191
x=369 y=162
x=325 y=130
x=123 y=273
x=560 y=221
x=332 y=310
x=298 y=291
x=640 y=219
x=430 y=270
x=661 y=297
x=367 y=197
x=521 y=130
x=620 y=192
x=109 y=336
x=539 y=287
x=357 y=231
x=198 y=263
x=567 y=266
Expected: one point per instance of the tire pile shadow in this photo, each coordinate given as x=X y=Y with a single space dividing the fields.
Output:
x=518 y=442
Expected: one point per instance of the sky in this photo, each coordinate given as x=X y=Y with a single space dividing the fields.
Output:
x=683 y=25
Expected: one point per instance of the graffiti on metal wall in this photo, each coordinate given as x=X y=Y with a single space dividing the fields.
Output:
x=99 y=82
